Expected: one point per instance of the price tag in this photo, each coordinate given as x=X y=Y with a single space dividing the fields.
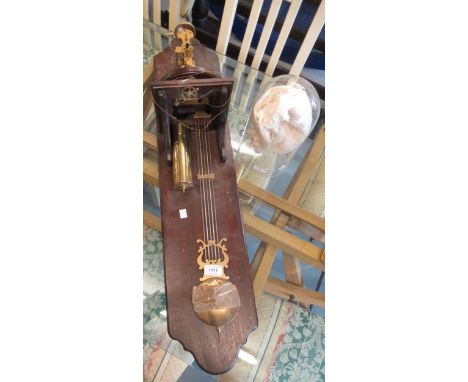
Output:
x=183 y=214
x=213 y=270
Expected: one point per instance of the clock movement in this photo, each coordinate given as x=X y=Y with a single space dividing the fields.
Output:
x=210 y=300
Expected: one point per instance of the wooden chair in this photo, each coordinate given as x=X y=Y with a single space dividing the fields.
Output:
x=265 y=255
x=313 y=200
x=306 y=47
x=154 y=9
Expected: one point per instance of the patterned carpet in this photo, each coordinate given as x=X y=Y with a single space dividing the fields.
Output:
x=287 y=346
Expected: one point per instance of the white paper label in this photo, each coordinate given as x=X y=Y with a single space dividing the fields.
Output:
x=213 y=270
x=183 y=214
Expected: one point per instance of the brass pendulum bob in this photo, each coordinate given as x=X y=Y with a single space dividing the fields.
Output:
x=215 y=300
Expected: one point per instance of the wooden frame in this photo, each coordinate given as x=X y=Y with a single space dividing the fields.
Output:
x=283 y=36
x=266 y=33
x=269 y=23
x=309 y=41
x=226 y=26
x=249 y=31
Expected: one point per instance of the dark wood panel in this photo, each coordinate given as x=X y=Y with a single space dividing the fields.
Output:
x=215 y=352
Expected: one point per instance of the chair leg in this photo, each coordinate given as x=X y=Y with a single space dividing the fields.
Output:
x=265 y=255
x=319 y=282
x=317 y=286
x=264 y=267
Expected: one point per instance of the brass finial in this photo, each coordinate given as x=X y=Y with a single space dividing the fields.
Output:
x=185 y=33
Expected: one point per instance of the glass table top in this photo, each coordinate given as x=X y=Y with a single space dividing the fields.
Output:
x=160 y=352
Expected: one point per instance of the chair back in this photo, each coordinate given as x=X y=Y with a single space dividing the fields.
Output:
x=303 y=53
x=153 y=8
x=152 y=11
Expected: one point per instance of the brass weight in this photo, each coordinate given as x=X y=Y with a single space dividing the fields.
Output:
x=181 y=169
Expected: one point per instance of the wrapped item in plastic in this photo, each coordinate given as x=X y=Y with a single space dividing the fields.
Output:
x=285 y=111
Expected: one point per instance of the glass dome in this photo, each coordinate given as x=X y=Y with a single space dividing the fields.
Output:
x=284 y=113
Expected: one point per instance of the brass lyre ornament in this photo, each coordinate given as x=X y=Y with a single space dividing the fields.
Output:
x=215 y=300
x=213 y=266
